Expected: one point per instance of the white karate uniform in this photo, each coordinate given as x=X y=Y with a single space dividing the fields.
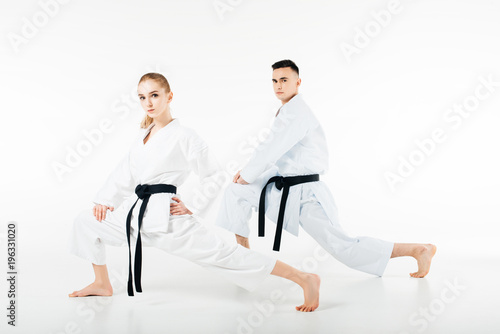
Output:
x=167 y=157
x=297 y=146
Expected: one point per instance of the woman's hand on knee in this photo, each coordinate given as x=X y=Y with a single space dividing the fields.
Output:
x=100 y=211
x=238 y=179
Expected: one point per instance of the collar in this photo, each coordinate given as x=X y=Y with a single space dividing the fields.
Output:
x=172 y=124
x=294 y=99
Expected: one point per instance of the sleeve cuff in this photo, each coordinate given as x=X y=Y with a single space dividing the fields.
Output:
x=106 y=203
x=246 y=177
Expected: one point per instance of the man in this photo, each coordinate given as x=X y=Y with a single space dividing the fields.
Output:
x=282 y=180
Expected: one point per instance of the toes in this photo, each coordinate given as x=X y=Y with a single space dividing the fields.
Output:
x=418 y=275
x=304 y=308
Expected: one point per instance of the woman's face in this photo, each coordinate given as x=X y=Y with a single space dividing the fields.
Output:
x=154 y=99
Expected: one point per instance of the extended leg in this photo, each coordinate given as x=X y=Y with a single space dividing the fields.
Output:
x=189 y=239
x=366 y=254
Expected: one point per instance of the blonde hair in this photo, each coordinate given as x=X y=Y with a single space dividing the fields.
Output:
x=159 y=78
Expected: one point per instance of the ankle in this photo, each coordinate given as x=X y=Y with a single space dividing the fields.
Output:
x=418 y=250
x=301 y=278
x=102 y=282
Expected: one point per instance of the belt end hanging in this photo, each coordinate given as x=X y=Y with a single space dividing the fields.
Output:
x=130 y=288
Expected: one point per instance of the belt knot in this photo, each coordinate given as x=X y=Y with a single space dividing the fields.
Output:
x=141 y=190
x=280 y=182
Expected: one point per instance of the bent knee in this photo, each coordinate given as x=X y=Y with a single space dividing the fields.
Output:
x=233 y=188
x=238 y=191
x=84 y=217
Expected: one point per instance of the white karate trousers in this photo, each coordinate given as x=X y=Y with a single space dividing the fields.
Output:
x=362 y=253
x=185 y=237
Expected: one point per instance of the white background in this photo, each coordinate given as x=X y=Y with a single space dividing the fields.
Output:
x=82 y=66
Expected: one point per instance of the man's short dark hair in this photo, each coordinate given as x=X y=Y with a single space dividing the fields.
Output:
x=286 y=63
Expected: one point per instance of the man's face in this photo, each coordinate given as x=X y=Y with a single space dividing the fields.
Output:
x=286 y=83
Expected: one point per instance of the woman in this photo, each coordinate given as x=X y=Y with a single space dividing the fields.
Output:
x=155 y=165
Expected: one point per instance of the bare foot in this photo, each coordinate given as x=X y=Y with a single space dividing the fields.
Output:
x=242 y=241
x=94 y=289
x=423 y=255
x=311 y=293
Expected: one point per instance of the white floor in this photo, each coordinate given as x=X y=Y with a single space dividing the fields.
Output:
x=180 y=297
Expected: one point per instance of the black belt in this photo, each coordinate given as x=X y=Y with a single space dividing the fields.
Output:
x=285 y=183
x=143 y=191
